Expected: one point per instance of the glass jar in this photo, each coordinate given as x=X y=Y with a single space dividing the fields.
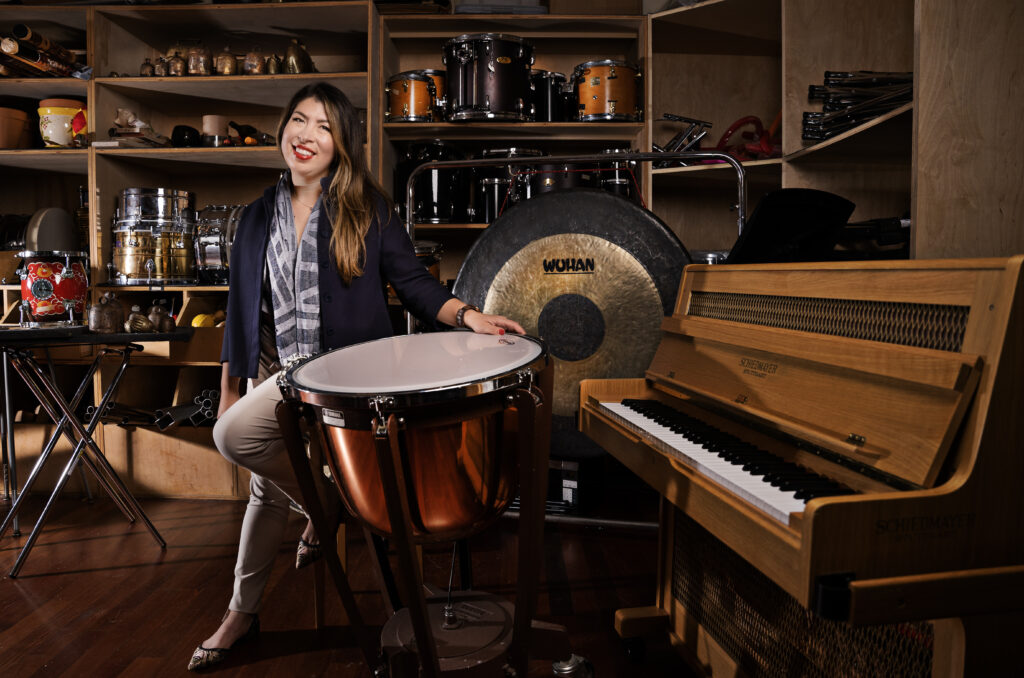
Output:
x=225 y=63
x=200 y=61
x=254 y=63
x=146 y=69
x=176 y=65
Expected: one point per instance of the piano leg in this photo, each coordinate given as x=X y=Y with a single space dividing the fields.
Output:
x=981 y=645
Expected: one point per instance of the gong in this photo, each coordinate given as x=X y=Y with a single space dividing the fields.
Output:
x=591 y=273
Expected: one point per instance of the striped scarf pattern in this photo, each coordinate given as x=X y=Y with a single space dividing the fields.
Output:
x=294 y=278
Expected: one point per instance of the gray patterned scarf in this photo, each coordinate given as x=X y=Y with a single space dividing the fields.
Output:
x=294 y=278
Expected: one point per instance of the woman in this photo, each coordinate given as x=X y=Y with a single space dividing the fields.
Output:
x=327 y=241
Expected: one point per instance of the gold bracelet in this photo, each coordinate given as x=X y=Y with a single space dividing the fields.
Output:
x=461 y=314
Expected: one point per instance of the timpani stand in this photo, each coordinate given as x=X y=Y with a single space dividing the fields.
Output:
x=17 y=345
x=475 y=634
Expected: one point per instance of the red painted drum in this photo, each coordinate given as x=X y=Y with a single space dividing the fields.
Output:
x=53 y=287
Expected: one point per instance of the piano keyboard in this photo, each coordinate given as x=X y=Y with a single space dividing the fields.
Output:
x=770 y=483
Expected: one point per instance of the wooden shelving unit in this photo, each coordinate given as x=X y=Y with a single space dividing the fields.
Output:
x=340 y=38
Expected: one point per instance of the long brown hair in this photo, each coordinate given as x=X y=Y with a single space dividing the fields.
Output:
x=353 y=192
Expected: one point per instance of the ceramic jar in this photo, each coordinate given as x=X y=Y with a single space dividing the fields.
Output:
x=58 y=119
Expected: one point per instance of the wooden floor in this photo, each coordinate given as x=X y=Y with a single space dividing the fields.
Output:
x=97 y=597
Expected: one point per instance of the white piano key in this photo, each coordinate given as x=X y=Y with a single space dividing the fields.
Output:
x=753 y=489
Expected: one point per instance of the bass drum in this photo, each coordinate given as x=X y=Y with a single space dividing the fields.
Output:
x=589 y=272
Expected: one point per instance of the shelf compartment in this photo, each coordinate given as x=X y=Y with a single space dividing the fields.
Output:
x=719 y=27
x=125 y=36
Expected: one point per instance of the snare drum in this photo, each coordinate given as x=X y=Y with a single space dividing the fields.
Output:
x=134 y=256
x=607 y=90
x=488 y=77
x=53 y=287
x=151 y=209
x=412 y=97
x=174 y=256
x=450 y=389
x=215 y=232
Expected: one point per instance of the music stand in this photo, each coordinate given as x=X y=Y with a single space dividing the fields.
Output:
x=792 y=224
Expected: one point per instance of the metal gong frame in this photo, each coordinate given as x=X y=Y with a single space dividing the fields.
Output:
x=741 y=175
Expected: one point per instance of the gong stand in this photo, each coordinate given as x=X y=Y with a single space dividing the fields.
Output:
x=533 y=406
x=288 y=417
x=597 y=158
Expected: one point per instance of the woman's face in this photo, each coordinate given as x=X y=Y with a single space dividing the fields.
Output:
x=306 y=143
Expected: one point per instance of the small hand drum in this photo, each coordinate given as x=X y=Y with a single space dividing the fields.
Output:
x=450 y=392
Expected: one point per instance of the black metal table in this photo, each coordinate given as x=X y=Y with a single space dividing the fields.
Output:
x=17 y=345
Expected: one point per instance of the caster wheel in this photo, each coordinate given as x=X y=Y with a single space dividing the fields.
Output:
x=636 y=649
x=575 y=666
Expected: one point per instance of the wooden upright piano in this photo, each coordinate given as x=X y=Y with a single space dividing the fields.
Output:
x=839 y=449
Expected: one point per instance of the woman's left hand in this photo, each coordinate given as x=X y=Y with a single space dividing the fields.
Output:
x=485 y=323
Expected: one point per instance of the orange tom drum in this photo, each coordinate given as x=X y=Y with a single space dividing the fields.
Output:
x=607 y=90
x=412 y=97
x=450 y=391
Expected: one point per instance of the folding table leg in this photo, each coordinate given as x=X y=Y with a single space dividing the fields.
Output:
x=8 y=432
x=74 y=404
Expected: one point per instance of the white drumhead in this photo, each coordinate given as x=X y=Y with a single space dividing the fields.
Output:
x=415 y=362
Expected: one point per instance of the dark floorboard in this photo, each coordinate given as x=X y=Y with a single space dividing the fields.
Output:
x=97 y=597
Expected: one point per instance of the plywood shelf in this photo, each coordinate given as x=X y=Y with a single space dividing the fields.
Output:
x=66 y=160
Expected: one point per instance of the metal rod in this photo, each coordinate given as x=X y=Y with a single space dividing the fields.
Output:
x=78 y=394
x=9 y=441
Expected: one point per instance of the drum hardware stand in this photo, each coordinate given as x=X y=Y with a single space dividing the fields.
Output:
x=85 y=448
x=527 y=636
x=288 y=417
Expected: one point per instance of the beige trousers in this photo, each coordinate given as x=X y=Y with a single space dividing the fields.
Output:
x=248 y=435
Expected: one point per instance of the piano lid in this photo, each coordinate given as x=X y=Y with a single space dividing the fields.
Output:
x=862 y=372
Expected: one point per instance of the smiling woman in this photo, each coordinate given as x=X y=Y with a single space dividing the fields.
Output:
x=310 y=263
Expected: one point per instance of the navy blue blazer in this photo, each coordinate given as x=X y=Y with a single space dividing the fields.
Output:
x=349 y=314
